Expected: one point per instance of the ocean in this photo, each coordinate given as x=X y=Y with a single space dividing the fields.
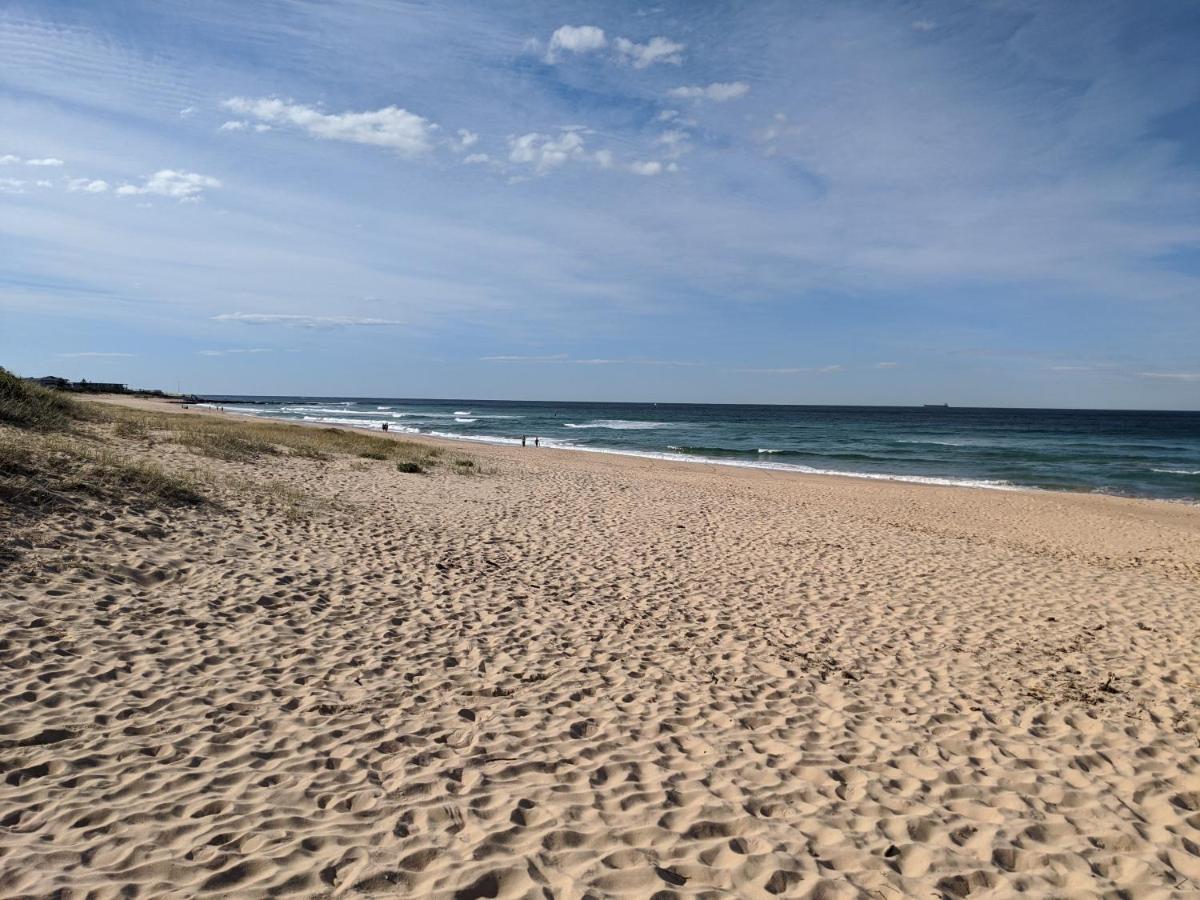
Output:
x=1128 y=453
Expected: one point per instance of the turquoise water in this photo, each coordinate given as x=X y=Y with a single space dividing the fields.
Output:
x=1142 y=454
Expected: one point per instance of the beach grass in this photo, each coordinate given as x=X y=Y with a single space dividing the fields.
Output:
x=27 y=405
x=230 y=440
x=58 y=454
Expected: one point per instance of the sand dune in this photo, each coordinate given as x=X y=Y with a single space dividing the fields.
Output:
x=584 y=677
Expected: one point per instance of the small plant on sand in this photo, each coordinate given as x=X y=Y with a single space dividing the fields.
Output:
x=136 y=429
x=372 y=454
x=410 y=468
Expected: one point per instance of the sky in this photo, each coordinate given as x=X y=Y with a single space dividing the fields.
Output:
x=982 y=203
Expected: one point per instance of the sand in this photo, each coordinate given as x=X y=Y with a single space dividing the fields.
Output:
x=588 y=676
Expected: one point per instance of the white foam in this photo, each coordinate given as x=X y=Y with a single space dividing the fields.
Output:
x=462 y=412
x=617 y=425
x=1177 y=471
x=690 y=458
x=465 y=421
x=477 y=438
x=769 y=450
x=373 y=424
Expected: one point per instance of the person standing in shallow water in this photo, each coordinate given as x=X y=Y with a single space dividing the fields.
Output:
x=537 y=442
x=522 y=440
x=385 y=425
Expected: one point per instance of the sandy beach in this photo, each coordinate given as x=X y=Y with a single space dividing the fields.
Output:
x=574 y=675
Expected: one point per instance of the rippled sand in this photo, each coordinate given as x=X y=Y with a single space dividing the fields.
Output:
x=579 y=676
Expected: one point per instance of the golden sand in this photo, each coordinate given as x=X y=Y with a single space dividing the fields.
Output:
x=588 y=676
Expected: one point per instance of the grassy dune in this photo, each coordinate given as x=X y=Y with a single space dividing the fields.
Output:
x=58 y=453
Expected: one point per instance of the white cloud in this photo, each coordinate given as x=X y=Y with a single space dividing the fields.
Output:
x=466 y=139
x=187 y=112
x=87 y=185
x=675 y=141
x=182 y=186
x=717 y=92
x=604 y=158
x=47 y=161
x=234 y=350
x=303 y=321
x=545 y=152
x=43 y=183
x=98 y=354
x=652 y=167
x=886 y=365
x=12 y=186
x=233 y=125
x=9 y=160
x=1172 y=376
x=476 y=158
x=575 y=39
x=403 y=131
x=656 y=50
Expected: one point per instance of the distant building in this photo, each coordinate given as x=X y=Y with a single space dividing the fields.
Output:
x=99 y=387
x=52 y=381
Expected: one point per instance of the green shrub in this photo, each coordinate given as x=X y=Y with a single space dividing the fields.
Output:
x=410 y=468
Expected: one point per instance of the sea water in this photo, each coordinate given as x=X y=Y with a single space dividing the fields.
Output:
x=1131 y=453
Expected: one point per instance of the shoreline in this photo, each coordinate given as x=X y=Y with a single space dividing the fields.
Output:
x=467 y=444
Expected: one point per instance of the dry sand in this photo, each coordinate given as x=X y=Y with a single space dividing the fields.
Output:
x=588 y=676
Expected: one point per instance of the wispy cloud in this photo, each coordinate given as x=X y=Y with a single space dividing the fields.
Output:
x=554 y=357
x=234 y=351
x=717 y=92
x=51 y=161
x=593 y=361
x=301 y=321
x=1172 y=376
x=791 y=370
x=398 y=129
x=98 y=354
x=886 y=365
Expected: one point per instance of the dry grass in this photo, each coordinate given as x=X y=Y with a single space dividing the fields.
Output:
x=253 y=438
x=41 y=472
x=58 y=454
x=27 y=405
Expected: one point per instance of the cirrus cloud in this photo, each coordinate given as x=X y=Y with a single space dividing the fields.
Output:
x=300 y=321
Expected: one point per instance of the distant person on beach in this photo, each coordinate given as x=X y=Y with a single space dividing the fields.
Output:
x=385 y=425
x=522 y=440
x=537 y=442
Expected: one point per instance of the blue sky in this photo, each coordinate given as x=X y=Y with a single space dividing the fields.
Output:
x=992 y=203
